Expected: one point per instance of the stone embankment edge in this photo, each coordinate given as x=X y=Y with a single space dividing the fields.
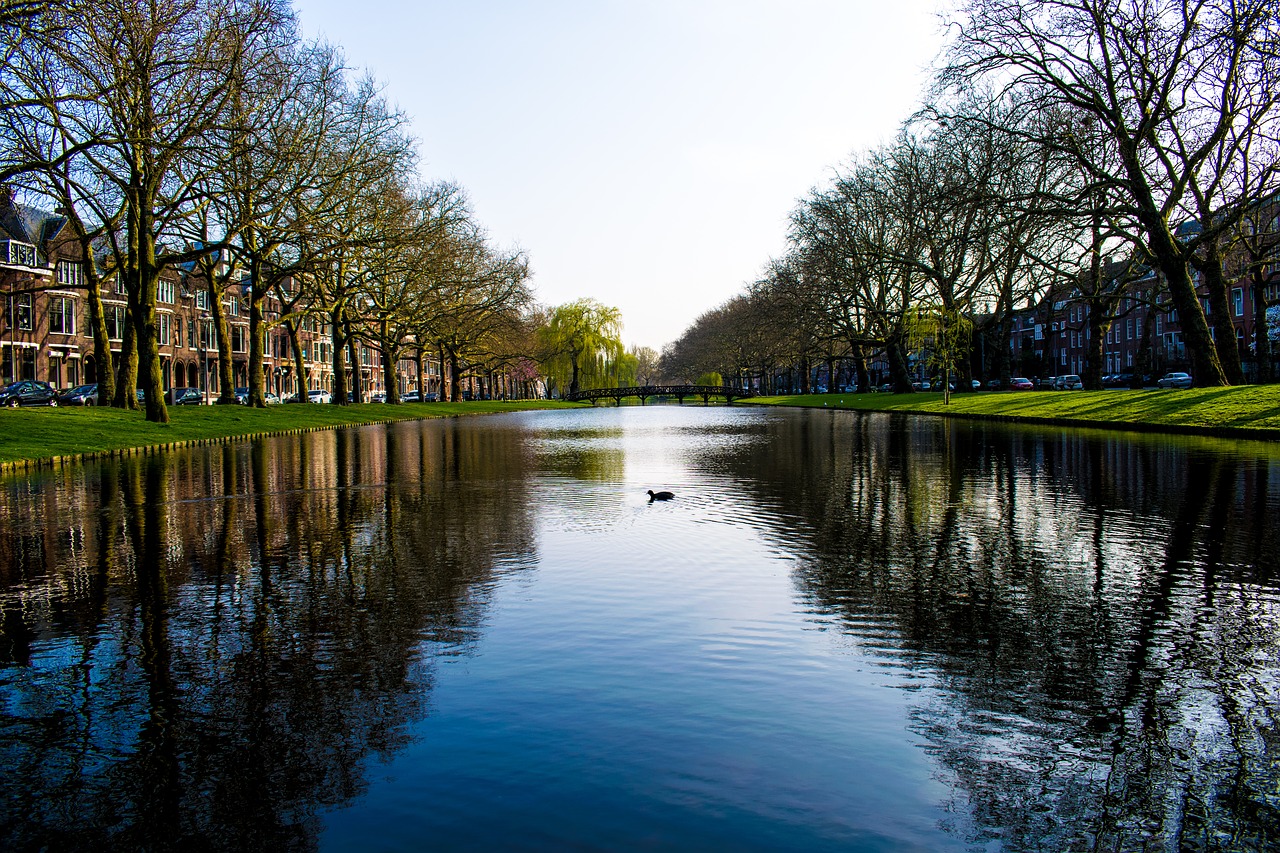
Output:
x=65 y=460
x=1250 y=433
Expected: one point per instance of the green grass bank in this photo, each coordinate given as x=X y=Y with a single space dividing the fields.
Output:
x=42 y=436
x=1251 y=411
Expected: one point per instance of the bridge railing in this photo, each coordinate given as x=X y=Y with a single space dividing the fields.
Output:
x=645 y=391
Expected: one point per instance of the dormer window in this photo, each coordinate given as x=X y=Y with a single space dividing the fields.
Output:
x=17 y=254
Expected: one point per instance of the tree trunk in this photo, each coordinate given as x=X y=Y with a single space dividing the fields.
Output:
x=150 y=374
x=1261 y=341
x=299 y=364
x=98 y=325
x=389 y=360
x=1224 y=331
x=898 y=365
x=455 y=380
x=339 y=371
x=127 y=367
x=257 y=335
x=353 y=356
x=421 y=374
x=1099 y=321
x=222 y=337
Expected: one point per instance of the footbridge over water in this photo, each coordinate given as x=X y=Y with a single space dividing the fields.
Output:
x=643 y=392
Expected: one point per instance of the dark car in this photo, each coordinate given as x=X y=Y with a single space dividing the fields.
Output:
x=1021 y=383
x=186 y=397
x=81 y=395
x=28 y=392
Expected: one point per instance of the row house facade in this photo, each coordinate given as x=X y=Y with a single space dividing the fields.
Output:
x=45 y=332
x=1052 y=337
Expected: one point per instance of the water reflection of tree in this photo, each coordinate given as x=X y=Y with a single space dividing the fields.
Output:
x=208 y=655
x=1097 y=618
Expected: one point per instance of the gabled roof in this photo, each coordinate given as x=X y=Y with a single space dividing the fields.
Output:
x=28 y=224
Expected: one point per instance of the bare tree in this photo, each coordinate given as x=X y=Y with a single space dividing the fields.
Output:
x=1156 y=87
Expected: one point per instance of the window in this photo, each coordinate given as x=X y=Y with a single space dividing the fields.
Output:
x=62 y=315
x=202 y=300
x=1128 y=332
x=177 y=331
x=164 y=292
x=1237 y=301
x=18 y=254
x=164 y=329
x=70 y=274
x=115 y=321
x=239 y=339
x=25 y=312
x=233 y=307
x=206 y=334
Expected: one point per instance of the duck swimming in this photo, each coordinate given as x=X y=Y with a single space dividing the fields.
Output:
x=660 y=496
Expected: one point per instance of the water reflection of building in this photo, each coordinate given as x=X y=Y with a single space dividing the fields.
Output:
x=1092 y=622
x=205 y=648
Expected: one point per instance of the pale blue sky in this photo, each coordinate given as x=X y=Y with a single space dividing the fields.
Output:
x=646 y=154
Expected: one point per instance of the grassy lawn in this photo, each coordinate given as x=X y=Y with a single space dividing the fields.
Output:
x=1252 y=410
x=41 y=433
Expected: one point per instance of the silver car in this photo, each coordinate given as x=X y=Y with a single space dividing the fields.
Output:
x=1174 y=380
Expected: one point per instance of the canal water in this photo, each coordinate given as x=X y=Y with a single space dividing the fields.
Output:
x=846 y=632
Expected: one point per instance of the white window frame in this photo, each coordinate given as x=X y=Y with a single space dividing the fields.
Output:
x=69 y=273
x=63 y=309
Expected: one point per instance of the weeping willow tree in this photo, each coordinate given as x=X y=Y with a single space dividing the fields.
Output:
x=582 y=342
x=943 y=336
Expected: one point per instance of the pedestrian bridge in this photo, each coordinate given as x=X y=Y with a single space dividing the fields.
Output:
x=643 y=392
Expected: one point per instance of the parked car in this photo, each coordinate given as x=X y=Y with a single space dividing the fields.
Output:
x=270 y=399
x=378 y=397
x=81 y=395
x=242 y=396
x=319 y=395
x=1174 y=380
x=1070 y=382
x=410 y=397
x=886 y=388
x=1021 y=383
x=993 y=384
x=922 y=385
x=28 y=392
x=185 y=397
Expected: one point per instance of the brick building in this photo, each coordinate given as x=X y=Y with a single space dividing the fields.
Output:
x=45 y=332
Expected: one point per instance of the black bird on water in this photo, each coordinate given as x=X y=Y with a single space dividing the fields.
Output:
x=660 y=496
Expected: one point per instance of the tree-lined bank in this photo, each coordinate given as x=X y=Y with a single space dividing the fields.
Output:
x=1243 y=412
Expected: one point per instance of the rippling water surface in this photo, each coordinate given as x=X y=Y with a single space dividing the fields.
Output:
x=846 y=632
